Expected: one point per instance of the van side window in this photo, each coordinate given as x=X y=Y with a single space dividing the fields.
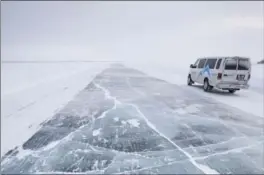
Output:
x=231 y=64
x=218 y=63
x=211 y=63
x=201 y=63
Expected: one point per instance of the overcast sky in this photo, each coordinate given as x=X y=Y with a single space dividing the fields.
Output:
x=152 y=30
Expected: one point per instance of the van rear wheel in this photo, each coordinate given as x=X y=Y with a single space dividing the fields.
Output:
x=206 y=86
x=232 y=91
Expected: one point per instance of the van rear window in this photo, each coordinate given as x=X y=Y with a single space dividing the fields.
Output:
x=243 y=64
x=231 y=64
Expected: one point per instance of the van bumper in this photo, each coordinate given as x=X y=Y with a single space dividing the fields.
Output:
x=235 y=86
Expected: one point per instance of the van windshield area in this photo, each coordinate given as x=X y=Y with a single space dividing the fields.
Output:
x=237 y=64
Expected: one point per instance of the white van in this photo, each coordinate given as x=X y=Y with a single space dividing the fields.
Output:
x=226 y=73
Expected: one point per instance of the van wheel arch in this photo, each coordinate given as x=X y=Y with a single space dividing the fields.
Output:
x=189 y=80
x=206 y=85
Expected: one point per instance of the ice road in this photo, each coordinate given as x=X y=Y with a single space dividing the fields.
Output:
x=127 y=122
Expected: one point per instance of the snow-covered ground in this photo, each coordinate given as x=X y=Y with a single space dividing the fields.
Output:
x=250 y=100
x=125 y=121
x=38 y=99
x=33 y=92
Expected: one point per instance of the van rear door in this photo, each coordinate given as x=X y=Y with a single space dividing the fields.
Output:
x=243 y=69
x=236 y=70
x=230 y=70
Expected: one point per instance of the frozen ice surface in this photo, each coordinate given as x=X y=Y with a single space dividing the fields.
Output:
x=97 y=132
x=133 y=122
x=127 y=122
x=33 y=92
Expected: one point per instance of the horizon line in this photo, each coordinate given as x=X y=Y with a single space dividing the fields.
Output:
x=55 y=61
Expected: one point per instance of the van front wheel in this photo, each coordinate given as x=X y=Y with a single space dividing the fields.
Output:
x=189 y=80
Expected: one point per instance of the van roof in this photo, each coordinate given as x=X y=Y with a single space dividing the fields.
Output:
x=224 y=57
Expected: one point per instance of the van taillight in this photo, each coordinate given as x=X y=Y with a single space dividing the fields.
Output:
x=248 y=76
x=219 y=76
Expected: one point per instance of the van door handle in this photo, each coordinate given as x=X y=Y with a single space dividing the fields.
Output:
x=225 y=75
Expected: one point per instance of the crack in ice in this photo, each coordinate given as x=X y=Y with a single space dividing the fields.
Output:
x=235 y=150
x=107 y=95
x=215 y=144
x=227 y=123
x=201 y=167
x=151 y=167
x=197 y=165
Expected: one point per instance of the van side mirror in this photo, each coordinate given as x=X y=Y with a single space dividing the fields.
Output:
x=192 y=66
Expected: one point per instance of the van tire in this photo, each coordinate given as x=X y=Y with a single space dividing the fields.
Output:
x=206 y=86
x=232 y=91
x=189 y=80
